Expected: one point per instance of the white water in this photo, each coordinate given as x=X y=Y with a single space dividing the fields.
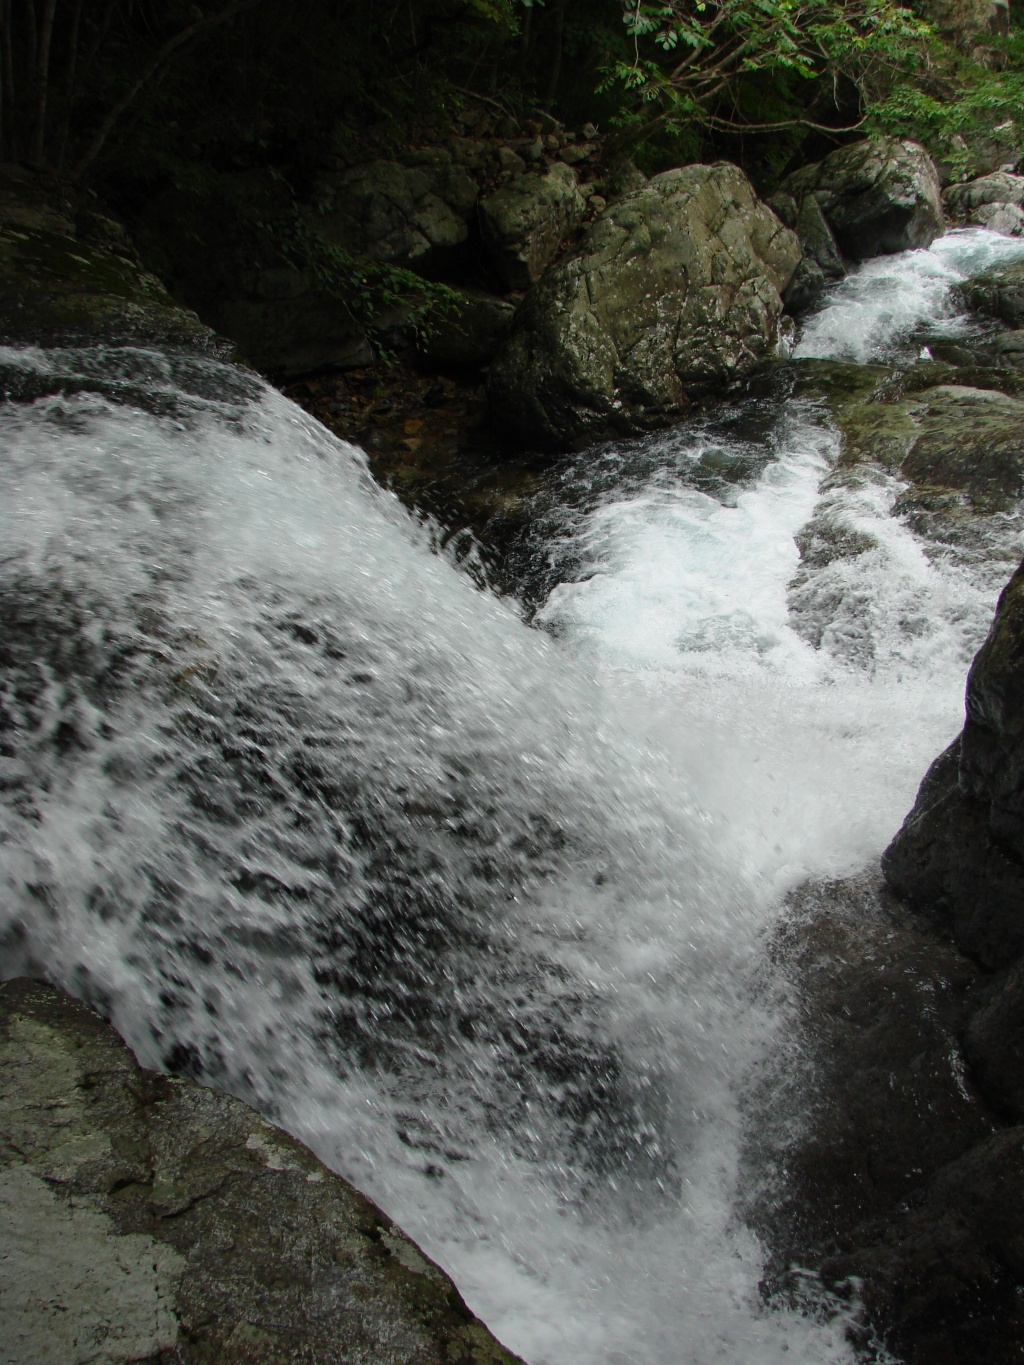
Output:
x=874 y=313
x=474 y=912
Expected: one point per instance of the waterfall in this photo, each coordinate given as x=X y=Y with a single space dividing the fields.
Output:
x=470 y=895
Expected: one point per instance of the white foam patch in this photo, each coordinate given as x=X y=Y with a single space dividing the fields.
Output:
x=268 y=744
x=885 y=301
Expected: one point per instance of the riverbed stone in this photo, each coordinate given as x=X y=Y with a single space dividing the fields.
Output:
x=151 y=1219
x=950 y=439
x=878 y=196
x=525 y=222
x=675 y=289
x=997 y=293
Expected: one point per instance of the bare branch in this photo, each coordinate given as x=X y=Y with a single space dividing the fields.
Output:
x=185 y=35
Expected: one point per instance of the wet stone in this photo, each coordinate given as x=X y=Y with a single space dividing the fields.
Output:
x=150 y=1218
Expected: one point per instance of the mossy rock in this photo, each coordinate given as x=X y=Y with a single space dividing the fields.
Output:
x=955 y=444
x=68 y=273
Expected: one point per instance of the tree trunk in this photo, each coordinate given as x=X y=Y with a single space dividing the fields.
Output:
x=10 y=131
x=183 y=36
x=555 y=69
x=37 y=146
x=69 y=85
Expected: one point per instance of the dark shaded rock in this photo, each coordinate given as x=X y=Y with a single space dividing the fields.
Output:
x=997 y=293
x=960 y=854
x=674 y=289
x=945 y=862
x=945 y=1275
x=870 y=1099
x=878 y=196
x=418 y=215
x=524 y=223
x=68 y=272
x=995 y=1046
x=149 y=1219
x=992 y=752
x=211 y=248
x=469 y=338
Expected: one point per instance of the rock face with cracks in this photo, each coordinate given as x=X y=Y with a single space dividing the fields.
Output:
x=151 y=1220
x=674 y=289
x=878 y=196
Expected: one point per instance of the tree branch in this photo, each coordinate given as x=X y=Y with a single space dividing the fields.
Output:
x=185 y=35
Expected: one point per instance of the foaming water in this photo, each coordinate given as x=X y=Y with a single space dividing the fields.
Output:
x=890 y=307
x=312 y=817
x=473 y=908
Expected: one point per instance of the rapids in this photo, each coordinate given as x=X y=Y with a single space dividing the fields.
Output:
x=469 y=892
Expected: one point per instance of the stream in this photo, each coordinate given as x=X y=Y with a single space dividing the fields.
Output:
x=470 y=891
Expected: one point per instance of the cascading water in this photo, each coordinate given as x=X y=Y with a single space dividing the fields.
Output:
x=474 y=911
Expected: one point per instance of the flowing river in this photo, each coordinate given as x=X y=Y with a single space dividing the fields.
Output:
x=470 y=892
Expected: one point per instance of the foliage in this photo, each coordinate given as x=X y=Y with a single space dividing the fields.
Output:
x=959 y=104
x=736 y=66
x=373 y=293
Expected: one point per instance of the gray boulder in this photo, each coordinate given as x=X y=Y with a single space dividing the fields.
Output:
x=1006 y=219
x=993 y=201
x=674 y=289
x=418 y=215
x=879 y=196
x=525 y=222
x=148 y=1219
x=822 y=260
x=1001 y=187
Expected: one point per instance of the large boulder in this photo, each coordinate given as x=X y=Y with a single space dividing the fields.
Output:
x=68 y=272
x=525 y=222
x=674 y=289
x=964 y=21
x=878 y=196
x=148 y=1219
x=959 y=857
x=992 y=201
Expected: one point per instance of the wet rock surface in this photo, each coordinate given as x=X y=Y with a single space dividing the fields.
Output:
x=150 y=1219
x=674 y=289
x=904 y=1184
x=997 y=294
x=901 y=1185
